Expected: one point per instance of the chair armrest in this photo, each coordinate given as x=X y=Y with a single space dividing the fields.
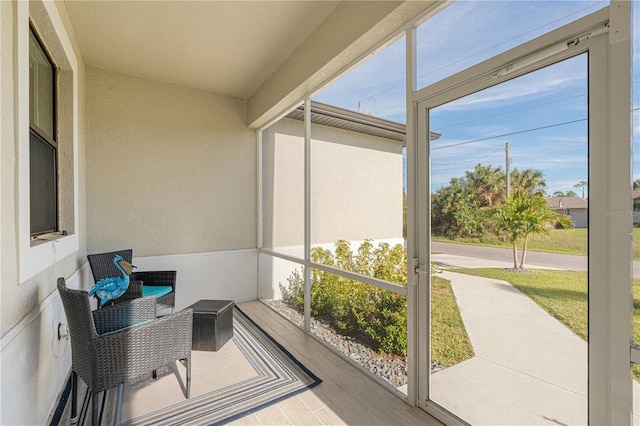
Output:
x=135 y=289
x=144 y=348
x=124 y=314
x=164 y=278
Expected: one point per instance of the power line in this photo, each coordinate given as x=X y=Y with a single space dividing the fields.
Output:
x=466 y=162
x=509 y=134
x=509 y=112
x=518 y=110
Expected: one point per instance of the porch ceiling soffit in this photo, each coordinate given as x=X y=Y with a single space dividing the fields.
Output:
x=270 y=53
x=225 y=47
x=345 y=37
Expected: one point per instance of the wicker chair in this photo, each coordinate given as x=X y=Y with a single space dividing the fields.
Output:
x=116 y=344
x=102 y=266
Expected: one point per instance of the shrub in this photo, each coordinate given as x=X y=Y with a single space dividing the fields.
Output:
x=375 y=315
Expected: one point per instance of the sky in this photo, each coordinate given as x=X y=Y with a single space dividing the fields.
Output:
x=542 y=115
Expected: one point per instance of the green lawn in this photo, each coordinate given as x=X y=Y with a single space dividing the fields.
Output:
x=563 y=294
x=569 y=241
x=449 y=341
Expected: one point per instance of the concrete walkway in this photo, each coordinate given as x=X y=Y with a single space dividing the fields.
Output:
x=528 y=369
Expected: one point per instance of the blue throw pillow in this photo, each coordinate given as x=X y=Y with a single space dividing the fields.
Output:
x=156 y=290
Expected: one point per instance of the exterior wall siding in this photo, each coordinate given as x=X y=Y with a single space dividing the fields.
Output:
x=34 y=363
x=171 y=169
x=356 y=186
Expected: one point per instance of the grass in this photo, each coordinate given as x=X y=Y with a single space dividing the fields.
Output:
x=563 y=294
x=449 y=340
x=567 y=241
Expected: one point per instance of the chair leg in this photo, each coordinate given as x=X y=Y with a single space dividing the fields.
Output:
x=118 y=413
x=95 y=409
x=188 y=365
x=74 y=397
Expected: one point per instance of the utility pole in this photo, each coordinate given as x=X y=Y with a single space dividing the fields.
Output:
x=508 y=169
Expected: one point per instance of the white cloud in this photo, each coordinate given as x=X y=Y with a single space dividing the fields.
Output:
x=462 y=35
x=530 y=87
x=468 y=32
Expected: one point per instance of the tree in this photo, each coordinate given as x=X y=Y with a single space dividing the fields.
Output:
x=455 y=210
x=636 y=184
x=522 y=215
x=488 y=183
x=537 y=219
x=529 y=180
x=507 y=218
x=582 y=184
x=564 y=194
x=459 y=210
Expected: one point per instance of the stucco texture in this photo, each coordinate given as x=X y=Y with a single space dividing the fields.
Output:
x=170 y=170
x=20 y=296
x=356 y=185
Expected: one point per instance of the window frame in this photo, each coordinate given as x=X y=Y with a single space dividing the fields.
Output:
x=37 y=255
x=49 y=140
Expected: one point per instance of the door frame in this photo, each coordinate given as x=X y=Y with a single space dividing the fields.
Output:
x=610 y=245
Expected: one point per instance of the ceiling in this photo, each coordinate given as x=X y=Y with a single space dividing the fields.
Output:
x=225 y=47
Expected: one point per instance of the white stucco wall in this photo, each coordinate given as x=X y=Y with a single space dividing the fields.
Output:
x=24 y=284
x=33 y=363
x=283 y=184
x=356 y=186
x=225 y=275
x=171 y=170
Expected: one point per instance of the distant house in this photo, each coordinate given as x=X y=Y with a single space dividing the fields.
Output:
x=575 y=207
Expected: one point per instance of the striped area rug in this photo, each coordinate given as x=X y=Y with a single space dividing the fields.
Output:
x=248 y=373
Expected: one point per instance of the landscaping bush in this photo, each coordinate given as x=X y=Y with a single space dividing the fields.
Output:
x=353 y=308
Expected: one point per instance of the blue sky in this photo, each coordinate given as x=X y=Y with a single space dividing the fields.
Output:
x=542 y=115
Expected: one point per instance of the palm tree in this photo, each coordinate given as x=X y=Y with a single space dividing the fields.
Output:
x=529 y=180
x=489 y=184
x=522 y=215
x=536 y=219
x=508 y=220
x=582 y=184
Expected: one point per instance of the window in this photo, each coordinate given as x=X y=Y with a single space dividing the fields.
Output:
x=43 y=147
x=48 y=137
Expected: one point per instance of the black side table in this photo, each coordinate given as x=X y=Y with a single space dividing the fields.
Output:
x=212 y=324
